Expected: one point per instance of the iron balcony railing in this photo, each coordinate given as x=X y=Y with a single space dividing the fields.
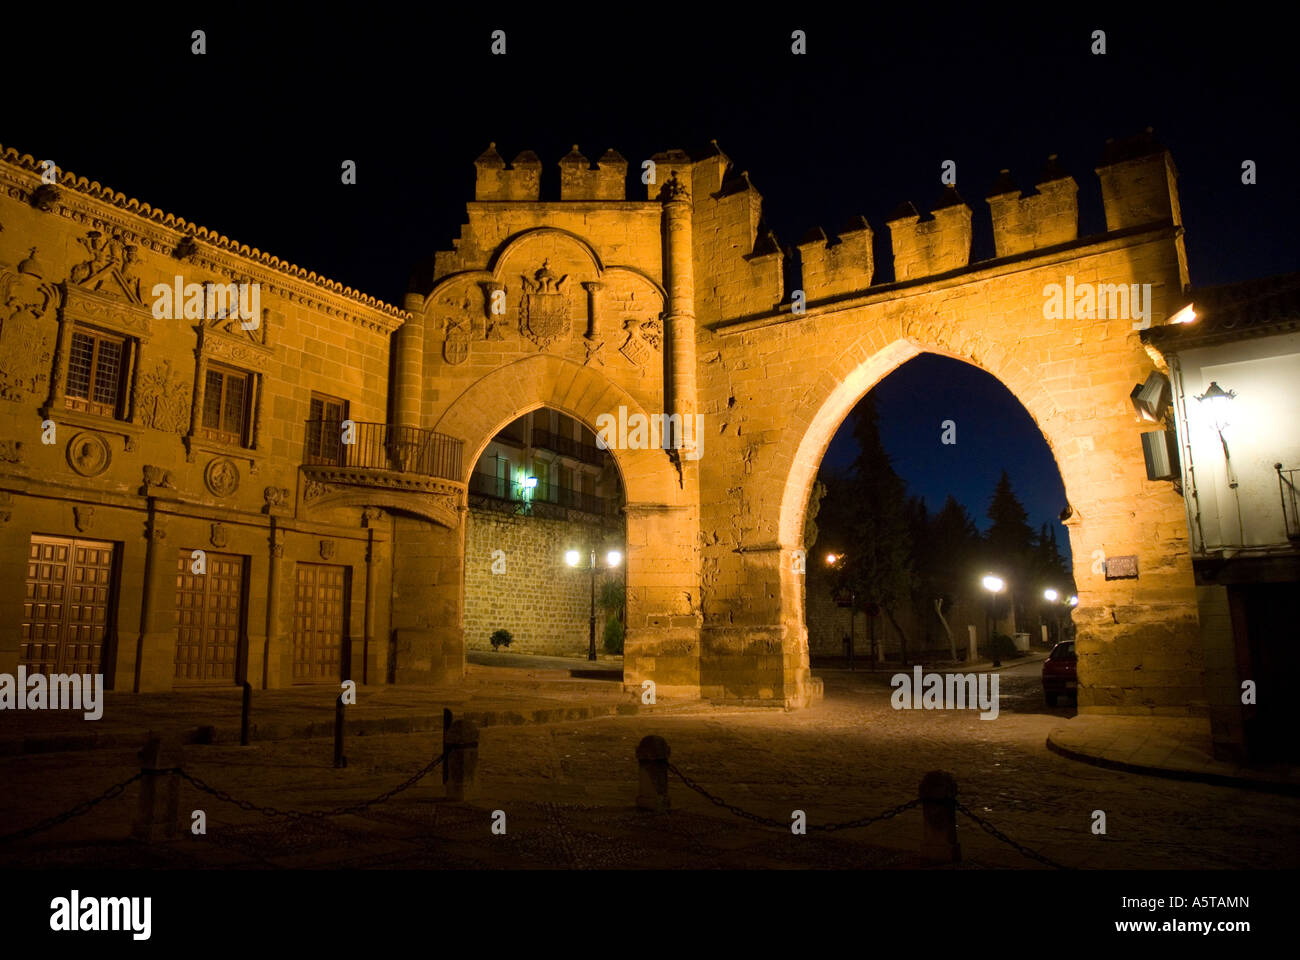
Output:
x=1286 y=480
x=586 y=452
x=380 y=446
x=490 y=485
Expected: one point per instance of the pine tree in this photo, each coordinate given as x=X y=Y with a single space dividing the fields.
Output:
x=878 y=567
x=1010 y=543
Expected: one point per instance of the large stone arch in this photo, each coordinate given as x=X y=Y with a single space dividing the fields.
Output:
x=1129 y=630
x=663 y=628
x=830 y=400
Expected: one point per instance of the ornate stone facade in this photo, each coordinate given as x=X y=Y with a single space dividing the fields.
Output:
x=591 y=305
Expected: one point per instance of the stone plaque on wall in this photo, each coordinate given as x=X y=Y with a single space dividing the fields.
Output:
x=1122 y=568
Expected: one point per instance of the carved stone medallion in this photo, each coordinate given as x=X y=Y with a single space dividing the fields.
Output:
x=222 y=477
x=88 y=454
x=220 y=537
x=327 y=549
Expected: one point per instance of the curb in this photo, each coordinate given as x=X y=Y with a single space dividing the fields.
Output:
x=1171 y=773
x=210 y=735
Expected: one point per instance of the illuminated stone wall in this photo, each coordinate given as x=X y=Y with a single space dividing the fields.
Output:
x=534 y=594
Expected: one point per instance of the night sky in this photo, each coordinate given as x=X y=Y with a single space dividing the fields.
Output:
x=249 y=139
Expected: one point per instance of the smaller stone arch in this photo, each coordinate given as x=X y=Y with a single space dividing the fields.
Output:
x=663 y=617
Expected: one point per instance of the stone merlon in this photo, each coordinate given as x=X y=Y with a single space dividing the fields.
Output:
x=1043 y=219
x=926 y=248
x=828 y=269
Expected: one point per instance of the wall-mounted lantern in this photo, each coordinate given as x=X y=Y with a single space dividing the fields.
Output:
x=1217 y=399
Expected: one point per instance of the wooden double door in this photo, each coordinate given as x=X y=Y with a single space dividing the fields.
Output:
x=67 y=606
x=209 y=617
x=320 y=623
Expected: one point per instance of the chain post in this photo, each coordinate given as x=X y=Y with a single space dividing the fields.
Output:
x=938 y=798
x=158 y=813
x=652 y=757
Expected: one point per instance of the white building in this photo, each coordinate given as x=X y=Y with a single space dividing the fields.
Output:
x=1233 y=394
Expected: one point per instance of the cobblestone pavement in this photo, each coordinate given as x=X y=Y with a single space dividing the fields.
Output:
x=566 y=791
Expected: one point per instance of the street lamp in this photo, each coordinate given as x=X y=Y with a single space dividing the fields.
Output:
x=1216 y=399
x=1051 y=596
x=994 y=586
x=836 y=560
x=612 y=559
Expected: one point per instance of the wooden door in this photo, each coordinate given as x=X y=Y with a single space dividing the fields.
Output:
x=320 y=612
x=66 y=605
x=209 y=618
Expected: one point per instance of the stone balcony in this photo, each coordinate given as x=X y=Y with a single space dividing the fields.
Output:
x=351 y=463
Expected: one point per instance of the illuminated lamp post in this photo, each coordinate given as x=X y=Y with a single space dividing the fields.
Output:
x=612 y=560
x=836 y=561
x=994 y=585
x=1051 y=596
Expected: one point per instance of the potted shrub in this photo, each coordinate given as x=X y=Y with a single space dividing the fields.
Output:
x=613 y=636
x=501 y=638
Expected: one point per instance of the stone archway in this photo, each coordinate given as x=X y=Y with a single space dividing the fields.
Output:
x=662 y=635
x=1124 y=626
x=678 y=304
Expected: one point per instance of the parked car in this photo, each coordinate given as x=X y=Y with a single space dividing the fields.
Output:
x=1058 y=673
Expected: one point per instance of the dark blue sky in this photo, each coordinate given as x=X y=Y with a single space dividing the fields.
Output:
x=249 y=139
x=994 y=432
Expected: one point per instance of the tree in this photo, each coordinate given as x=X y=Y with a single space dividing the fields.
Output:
x=810 y=529
x=1010 y=543
x=952 y=545
x=878 y=566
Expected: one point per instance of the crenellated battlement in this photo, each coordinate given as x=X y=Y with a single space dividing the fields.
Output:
x=740 y=265
x=521 y=181
x=580 y=181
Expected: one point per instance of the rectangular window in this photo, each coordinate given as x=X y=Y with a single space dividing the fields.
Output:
x=96 y=372
x=325 y=429
x=226 y=394
x=503 y=485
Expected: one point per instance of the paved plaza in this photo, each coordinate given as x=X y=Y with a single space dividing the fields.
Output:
x=566 y=790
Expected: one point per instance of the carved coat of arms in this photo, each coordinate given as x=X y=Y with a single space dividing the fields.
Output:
x=643 y=339
x=455 y=349
x=544 y=313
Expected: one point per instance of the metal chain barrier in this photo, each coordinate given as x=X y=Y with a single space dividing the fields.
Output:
x=67 y=815
x=312 y=814
x=784 y=825
x=1019 y=848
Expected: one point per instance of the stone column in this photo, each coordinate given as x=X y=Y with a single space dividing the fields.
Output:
x=369 y=516
x=156 y=645
x=410 y=363
x=680 y=395
x=274 y=635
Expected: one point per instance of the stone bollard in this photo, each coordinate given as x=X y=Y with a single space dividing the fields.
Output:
x=461 y=743
x=158 y=815
x=652 y=785
x=938 y=794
